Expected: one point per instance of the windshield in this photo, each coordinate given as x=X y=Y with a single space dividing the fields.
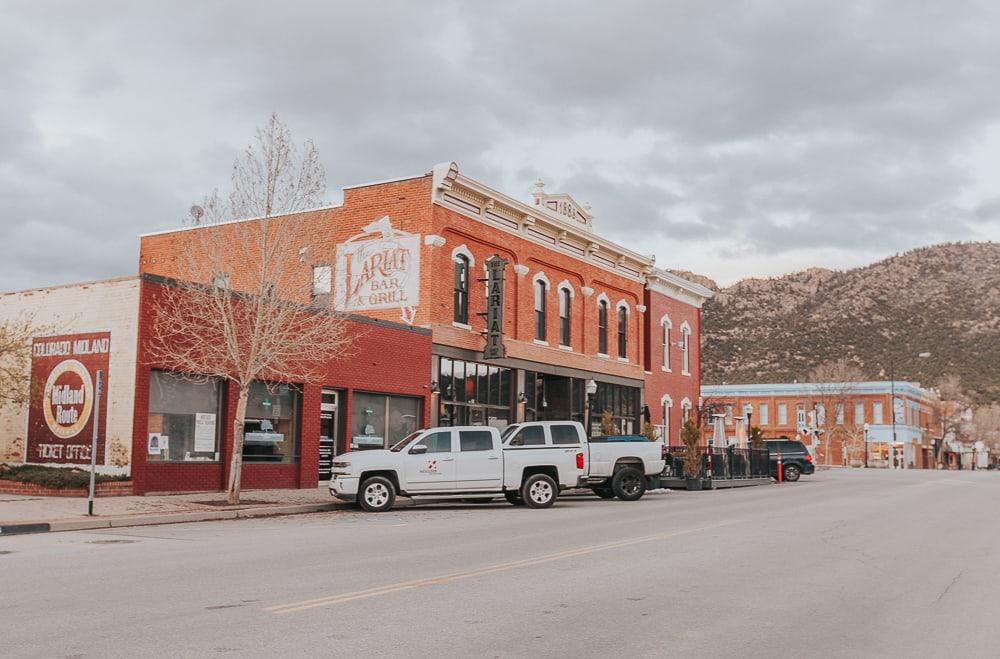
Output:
x=508 y=431
x=403 y=443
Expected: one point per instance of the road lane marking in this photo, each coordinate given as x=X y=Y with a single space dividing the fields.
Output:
x=293 y=607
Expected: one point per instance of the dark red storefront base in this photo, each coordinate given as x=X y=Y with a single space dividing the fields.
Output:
x=211 y=477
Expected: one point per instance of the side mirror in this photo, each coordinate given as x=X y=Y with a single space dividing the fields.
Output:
x=418 y=449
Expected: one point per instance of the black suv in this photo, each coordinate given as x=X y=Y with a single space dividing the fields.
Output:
x=795 y=459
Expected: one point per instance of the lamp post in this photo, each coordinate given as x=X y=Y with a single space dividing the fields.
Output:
x=590 y=388
x=892 y=405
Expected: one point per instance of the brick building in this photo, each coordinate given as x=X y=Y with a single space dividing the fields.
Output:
x=175 y=434
x=842 y=411
x=577 y=309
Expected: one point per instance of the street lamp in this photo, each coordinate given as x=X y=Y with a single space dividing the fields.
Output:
x=590 y=389
x=892 y=404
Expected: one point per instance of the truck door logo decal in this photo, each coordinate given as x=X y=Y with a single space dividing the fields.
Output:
x=430 y=468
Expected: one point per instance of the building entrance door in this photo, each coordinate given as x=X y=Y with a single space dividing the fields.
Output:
x=329 y=431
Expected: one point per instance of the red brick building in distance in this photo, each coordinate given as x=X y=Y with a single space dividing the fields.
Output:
x=856 y=419
x=587 y=325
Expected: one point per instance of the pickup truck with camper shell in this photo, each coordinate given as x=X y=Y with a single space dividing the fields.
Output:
x=528 y=465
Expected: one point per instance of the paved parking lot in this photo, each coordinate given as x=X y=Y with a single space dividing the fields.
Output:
x=844 y=563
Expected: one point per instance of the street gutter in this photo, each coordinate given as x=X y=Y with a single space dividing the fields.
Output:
x=150 y=519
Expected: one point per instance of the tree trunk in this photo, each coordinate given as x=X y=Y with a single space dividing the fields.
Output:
x=236 y=464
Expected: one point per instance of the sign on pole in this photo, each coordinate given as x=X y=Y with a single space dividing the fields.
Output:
x=93 y=443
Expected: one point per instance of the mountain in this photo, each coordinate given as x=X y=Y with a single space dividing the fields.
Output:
x=944 y=300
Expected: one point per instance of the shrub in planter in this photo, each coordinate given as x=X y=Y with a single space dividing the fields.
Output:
x=691 y=436
x=57 y=478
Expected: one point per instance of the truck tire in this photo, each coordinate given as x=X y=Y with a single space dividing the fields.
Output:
x=513 y=498
x=604 y=492
x=791 y=473
x=376 y=494
x=539 y=491
x=628 y=484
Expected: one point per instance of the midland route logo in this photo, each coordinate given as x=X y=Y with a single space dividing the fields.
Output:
x=62 y=410
x=68 y=399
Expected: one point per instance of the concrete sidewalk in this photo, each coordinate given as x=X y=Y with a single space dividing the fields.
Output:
x=31 y=514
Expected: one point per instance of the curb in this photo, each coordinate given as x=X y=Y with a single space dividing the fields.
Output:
x=164 y=518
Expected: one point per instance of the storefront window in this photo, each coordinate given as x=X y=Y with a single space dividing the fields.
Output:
x=271 y=430
x=381 y=420
x=621 y=401
x=184 y=423
x=473 y=394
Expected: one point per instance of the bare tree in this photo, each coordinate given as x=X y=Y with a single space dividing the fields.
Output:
x=986 y=425
x=15 y=358
x=835 y=384
x=239 y=312
x=951 y=407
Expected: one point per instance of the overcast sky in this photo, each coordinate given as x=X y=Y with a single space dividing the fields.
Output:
x=734 y=139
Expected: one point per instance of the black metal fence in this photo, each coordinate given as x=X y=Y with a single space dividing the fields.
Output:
x=727 y=462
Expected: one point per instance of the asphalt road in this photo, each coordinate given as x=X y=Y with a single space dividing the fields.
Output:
x=842 y=564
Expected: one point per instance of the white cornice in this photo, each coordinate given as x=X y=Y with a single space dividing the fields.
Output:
x=538 y=218
x=678 y=288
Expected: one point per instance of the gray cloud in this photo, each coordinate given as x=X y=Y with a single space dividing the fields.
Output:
x=712 y=134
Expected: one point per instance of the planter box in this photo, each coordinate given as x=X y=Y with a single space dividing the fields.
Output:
x=108 y=489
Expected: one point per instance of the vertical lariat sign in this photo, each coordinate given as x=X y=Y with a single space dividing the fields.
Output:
x=494 y=349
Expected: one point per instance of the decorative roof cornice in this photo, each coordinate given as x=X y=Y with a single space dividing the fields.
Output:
x=678 y=288
x=474 y=199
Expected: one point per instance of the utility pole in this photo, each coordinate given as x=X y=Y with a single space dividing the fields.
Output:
x=892 y=407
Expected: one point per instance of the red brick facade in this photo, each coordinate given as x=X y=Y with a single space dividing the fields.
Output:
x=381 y=348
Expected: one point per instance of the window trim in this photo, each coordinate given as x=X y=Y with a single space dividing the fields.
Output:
x=565 y=320
x=460 y=299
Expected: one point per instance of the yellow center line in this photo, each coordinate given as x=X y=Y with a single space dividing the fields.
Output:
x=331 y=600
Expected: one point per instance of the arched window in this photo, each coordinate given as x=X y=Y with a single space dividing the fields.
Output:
x=685 y=409
x=666 y=403
x=541 y=290
x=564 y=309
x=462 y=289
x=602 y=327
x=665 y=328
x=685 y=349
x=622 y=332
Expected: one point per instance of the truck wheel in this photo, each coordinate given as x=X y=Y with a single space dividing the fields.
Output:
x=629 y=484
x=791 y=473
x=604 y=492
x=539 y=491
x=376 y=494
x=513 y=498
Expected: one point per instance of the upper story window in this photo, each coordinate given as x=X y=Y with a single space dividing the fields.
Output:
x=762 y=414
x=461 y=302
x=322 y=279
x=565 y=295
x=622 y=332
x=665 y=342
x=859 y=414
x=541 y=292
x=782 y=414
x=602 y=327
x=729 y=415
x=685 y=409
x=877 y=414
x=685 y=349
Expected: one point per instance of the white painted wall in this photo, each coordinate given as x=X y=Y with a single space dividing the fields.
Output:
x=104 y=306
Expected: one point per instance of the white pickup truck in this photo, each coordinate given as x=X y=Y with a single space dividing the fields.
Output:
x=529 y=465
x=622 y=466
